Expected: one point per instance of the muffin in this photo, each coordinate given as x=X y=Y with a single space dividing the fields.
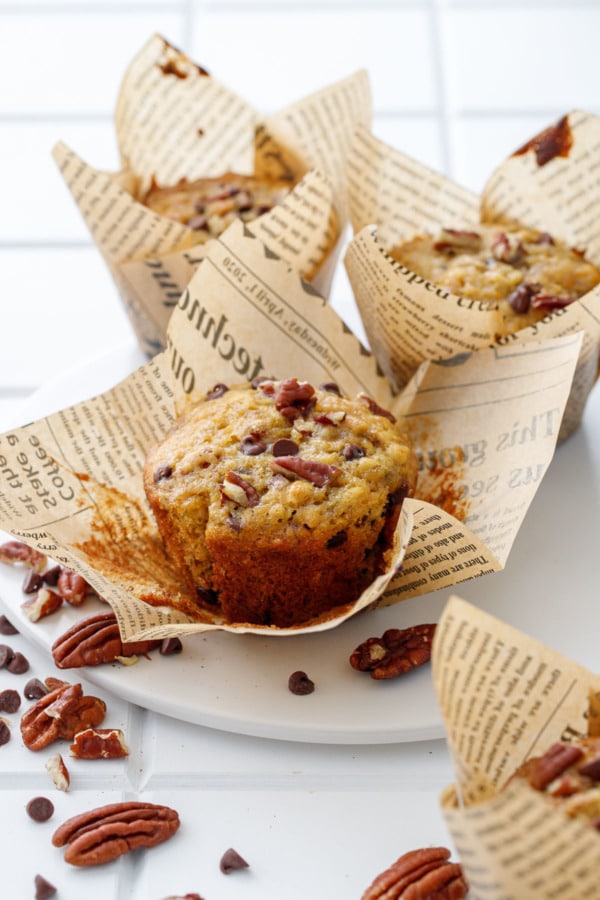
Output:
x=278 y=501
x=526 y=272
x=568 y=774
x=209 y=205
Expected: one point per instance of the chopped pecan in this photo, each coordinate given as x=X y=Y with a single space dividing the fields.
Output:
x=507 y=248
x=420 y=875
x=99 y=743
x=550 y=302
x=317 y=473
x=107 y=832
x=58 y=772
x=239 y=490
x=451 y=239
x=42 y=604
x=17 y=552
x=398 y=651
x=72 y=587
x=294 y=398
x=93 y=641
x=375 y=408
x=60 y=714
x=540 y=771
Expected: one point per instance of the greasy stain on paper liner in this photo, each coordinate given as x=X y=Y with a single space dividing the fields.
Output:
x=554 y=141
x=441 y=471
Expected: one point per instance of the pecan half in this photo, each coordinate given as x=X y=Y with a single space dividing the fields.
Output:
x=60 y=714
x=17 y=552
x=72 y=587
x=107 y=832
x=93 y=641
x=420 y=875
x=397 y=651
x=99 y=743
x=317 y=473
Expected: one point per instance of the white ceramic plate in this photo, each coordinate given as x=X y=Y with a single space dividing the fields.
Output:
x=238 y=683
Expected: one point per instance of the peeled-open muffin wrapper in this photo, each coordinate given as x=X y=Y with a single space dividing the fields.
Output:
x=484 y=426
x=549 y=184
x=506 y=697
x=175 y=121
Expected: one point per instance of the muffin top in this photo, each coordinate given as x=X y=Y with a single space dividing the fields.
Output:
x=527 y=272
x=209 y=205
x=280 y=453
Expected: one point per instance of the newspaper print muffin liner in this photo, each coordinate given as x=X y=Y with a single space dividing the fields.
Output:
x=549 y=184
x=173 y=121
x=484 y=426
x=511 y=842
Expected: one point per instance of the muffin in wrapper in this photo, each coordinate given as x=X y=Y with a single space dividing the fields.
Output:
x=548 y=186
x=175 y=125
x=506 y=699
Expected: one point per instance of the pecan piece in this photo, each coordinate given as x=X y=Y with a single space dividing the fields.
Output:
x=42 y=604
x=450 y=239
x=72 y=587
x=540 y=771
x=375 y=408
x=239 y=490
x=397 y=651
x=17 y=552
x=507 y=248
x=550 y=302
x=99 y=743
x=93 y=641
x=60 y=714
x=317 y=473
x=107 y=832
x=419 y=875
x=294 y=398
x=58 y=772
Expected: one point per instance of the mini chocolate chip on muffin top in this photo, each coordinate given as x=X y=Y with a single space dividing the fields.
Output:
x=278 y=500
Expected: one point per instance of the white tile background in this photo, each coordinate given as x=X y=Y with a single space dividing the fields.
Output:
x=457 y=83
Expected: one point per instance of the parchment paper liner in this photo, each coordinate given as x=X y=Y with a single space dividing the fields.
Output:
x=506 y=697
x=174 y=121
x=485 y=425
x=392 y=197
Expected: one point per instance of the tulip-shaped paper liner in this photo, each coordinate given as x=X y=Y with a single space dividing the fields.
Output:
x=550 y=184
x=173 y=121
x=484 y=426
x=505 y=697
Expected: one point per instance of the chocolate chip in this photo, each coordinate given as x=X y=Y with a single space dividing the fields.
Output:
x=4 y=733
x=339 y=538
x=299 y=683
x=207 y=596
x=52 y=575
x=169 y=646
x=520 y=298
x=40 y=809
x=6 y=654
x=332 y=387
x=231 y=860
x=33 y=582
x=353 y=451
x=234 y=522
x=10 y=701
x=591 y=768
x=35 y=689
x=18 y=664
x=7 y=627
x=217 y=391
x=252 y=444
x=284 y=447
x=164 y=471
x=43 y=889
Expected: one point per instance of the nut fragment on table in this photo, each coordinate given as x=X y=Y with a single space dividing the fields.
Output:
x=60 y=714
x=58 y=772
x=99 y=743
x=397 y=651
x=41 y=604
x=107 y=832
x=425 y=874
x=72 y=587
x=95 y=640
x=18 y=553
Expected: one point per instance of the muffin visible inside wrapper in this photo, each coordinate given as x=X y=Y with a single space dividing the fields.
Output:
x=431 y=305
x=514 y=839
x=178 y=130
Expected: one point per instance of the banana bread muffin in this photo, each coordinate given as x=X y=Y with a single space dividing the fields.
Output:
x=209 y=205
x=568 y=773
x=277 y=500
x=527 y=272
